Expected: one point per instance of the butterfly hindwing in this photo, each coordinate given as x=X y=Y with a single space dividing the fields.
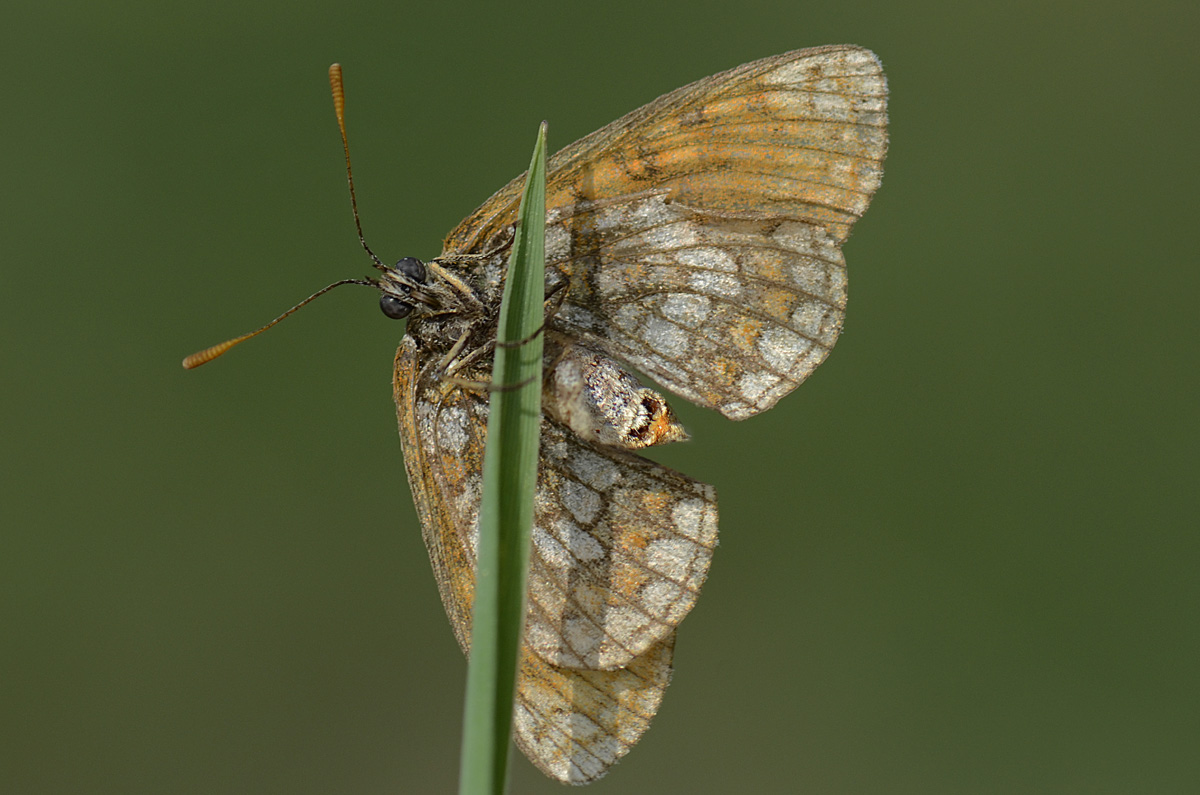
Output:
x=620 y=548
x=621 y=545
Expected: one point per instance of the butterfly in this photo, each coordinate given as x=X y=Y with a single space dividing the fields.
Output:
x=696 y=240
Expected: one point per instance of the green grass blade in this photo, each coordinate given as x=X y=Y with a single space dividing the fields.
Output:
x=506 y=511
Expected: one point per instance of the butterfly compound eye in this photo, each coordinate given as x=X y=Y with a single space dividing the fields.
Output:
x=413 y=268
x=393 y=307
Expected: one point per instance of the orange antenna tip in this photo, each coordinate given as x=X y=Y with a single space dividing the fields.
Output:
x=208 y=354
x=339 y=94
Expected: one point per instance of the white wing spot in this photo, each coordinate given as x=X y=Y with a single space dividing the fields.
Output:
x=582 y=502
x=788 y=74
x=582 y=636
x=670 y=557
x=707 y=258
x=558 y=242
x=581 y=543
x=540 y=635
x=550 y=549
x=663 y=237
x=819 y=279
x=628 y=318
x=837 y=283
x=555 y=449
x=660 y=595
x=452 y=429
x=472 y=528
x=687 y=309
x=597 y=472
x=580 y=317
x=623 y=622
x=687 y=516
x=611 y=217
x=666 y=337
x=611 y=281
x=650 y=212
x=753 y=385
x=718 y=284
x=809 y=320
x=582 y=727
x=780 y=347
x=795 y=236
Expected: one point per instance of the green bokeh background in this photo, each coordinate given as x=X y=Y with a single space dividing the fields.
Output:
x=962 y=558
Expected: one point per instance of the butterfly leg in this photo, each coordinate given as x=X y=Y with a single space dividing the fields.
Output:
x=448 y=277
x=501 y=241
x=550 y=307
x=453 y=363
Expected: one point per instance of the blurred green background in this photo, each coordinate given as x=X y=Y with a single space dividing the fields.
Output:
x=962 y=558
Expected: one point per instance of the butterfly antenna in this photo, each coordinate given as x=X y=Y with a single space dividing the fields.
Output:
x=339 y=107
x=208 y=354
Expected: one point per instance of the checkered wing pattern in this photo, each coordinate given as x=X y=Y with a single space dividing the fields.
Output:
x=620 y=548
x=701 y=233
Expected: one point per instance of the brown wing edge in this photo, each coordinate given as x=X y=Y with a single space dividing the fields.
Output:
x=452 y=569
x=575 y=725
x=500 y=209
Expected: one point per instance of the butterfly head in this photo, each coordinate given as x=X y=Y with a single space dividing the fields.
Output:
x=420 y=289
x=402 y=287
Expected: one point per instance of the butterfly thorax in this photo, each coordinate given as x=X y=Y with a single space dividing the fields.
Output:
x=457 y=304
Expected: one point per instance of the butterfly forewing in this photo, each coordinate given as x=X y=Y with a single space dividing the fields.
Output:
x=721 y=208
x=825 y=104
